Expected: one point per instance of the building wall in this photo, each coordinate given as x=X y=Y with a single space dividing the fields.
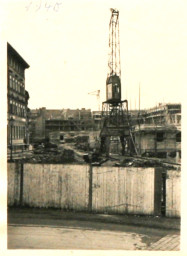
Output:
x=147 y=141
x=17 y=98
x=163 y=114
x=43 y=121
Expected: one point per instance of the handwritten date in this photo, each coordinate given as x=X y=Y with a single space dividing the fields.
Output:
x=44 y=4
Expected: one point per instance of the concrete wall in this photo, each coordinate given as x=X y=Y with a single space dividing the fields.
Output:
x=147 y=142
x=173 y=193
x=123 y=190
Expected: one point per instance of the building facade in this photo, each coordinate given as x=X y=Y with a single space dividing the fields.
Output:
x=43 y=121
x=159 y=132
x=17 y=101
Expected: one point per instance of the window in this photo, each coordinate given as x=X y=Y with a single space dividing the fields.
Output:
x=10 y=81
x=178 y=119
x=21 y=110
x=16 y=84
x=11 y=107
x=178 y=137
x=160 y=136
x=18 y=109
x=13 y=83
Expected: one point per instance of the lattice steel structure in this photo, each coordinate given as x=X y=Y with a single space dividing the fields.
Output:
x=115 y=111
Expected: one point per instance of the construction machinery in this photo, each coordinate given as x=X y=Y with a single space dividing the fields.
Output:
x=116 y=135
x=97 y=94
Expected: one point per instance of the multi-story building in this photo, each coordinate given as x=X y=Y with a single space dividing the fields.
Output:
x=43 y=121
x=163 y=114
x=17 y=101
x=159 y=132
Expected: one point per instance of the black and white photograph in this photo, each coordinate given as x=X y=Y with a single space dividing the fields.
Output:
x=91 y=135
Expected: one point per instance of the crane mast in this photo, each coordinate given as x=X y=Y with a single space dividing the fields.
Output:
x=116 y=125
x=113 y=82
x=114 y=45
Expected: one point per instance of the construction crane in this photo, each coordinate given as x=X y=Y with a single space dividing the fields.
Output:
x=115 y=111
x=97 y=94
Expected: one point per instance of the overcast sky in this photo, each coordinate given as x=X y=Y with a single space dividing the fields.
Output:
x=66 y=45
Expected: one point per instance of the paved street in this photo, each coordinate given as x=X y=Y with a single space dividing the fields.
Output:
x=37 y=229
x=30 y=237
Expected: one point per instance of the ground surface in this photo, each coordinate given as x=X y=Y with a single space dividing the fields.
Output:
x=55 y=229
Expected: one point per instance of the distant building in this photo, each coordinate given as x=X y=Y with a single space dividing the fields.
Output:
x=163 y=114
x=159 y=133
x=43 y=121
x=97 y=118
x=17 y=99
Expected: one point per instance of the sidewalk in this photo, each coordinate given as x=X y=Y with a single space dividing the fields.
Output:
x=132 y=220
x=131 y=231
x=167 y=243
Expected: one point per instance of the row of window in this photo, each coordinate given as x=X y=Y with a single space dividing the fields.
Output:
x=176 y=119
x=17 y=109
x=15 y=65
x=15 y=84
x=18 y=132
x=160 y=136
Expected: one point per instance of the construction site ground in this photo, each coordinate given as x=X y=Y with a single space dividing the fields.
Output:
x=69 y=153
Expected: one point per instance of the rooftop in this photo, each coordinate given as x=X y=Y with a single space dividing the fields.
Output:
x=13 y=52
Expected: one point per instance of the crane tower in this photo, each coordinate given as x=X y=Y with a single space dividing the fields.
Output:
x=115 y=115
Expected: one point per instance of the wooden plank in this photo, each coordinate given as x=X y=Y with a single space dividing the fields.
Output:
x=173 y=193
x=123 y=190
x=13 y=175
x=64 y=186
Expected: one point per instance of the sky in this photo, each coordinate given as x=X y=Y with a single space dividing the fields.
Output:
x=65 y=43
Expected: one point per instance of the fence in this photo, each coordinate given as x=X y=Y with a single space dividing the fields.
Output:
x=89 y=188
x=173 y=193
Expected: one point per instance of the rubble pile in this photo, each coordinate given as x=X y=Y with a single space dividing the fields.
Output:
x=82 y=143
x=142 y=162
x=66 y=156
x=50 y=153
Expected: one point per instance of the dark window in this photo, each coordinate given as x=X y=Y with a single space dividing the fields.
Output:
x=160 y=136
x=178 y=137
x=61 y=137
